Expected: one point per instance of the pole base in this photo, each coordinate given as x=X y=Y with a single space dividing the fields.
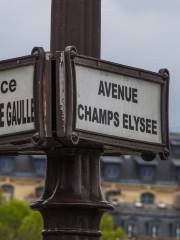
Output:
x=72 y=203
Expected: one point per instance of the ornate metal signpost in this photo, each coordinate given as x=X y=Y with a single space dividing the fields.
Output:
x=75 y=108
x=72 y=204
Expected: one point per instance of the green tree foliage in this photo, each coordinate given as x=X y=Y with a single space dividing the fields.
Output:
x=6 y=232
x=18 y=221
x=109 y=232
x=2 y=200
x=12 y=214
x=31 y=224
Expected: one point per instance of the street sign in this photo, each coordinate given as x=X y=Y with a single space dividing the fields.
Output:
x=23 y=114
x=112 y=104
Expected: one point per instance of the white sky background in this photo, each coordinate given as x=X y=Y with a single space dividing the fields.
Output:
x=140 y=33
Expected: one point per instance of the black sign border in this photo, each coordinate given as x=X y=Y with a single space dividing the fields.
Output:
x=32 y=139
x=69 y=59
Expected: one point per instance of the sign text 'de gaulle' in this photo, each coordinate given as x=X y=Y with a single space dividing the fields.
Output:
x=16 y=100
x=118 y=105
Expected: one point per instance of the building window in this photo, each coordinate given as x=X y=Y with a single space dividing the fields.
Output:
x=147 y=173
x=40 y=165
x=175 y=150
x=111 y=195
x=131 y=229
x=111 y=171
x=177 y=201
x=147 y=198
x=8 y=191
x=6 y=165
x=176 y=230
x=178 y=174
x=154 y=229
x=39 y=191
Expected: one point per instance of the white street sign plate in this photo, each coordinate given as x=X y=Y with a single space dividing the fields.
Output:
x=115 y=105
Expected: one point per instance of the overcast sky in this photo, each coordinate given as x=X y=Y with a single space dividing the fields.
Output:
x=140 y=33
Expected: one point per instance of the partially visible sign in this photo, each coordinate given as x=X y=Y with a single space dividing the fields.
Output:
x=116 y=106
x=25 y=98
x=17 y=100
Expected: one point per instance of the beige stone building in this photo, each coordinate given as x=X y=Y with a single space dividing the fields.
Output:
x=22 y=177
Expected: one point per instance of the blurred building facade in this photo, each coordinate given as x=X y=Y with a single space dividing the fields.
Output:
x=146 y=195
x=22 y=177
